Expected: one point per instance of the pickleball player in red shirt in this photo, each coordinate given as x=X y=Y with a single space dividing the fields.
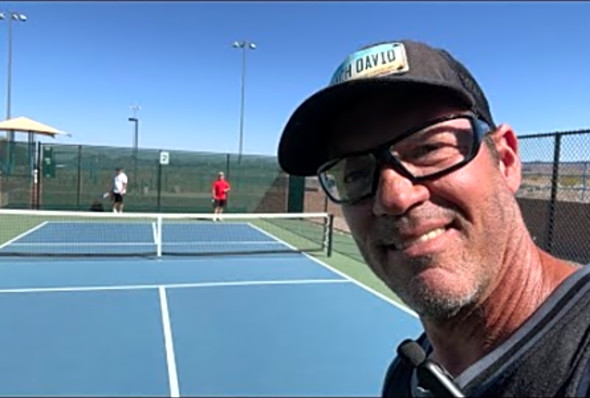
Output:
x=219 y=191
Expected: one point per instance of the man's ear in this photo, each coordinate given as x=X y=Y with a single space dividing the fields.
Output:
x=506 y=143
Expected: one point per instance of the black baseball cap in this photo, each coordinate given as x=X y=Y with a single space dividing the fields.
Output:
x=398 y=68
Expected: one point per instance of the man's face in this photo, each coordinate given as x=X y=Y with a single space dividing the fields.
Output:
x=436 y=244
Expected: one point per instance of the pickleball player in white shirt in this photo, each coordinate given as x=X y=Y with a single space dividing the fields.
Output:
x=119 y=190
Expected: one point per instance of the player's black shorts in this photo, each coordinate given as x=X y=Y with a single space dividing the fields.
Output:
x=117 y=198
x=220 y=202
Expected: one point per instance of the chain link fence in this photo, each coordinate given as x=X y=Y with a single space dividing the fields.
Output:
x=554 y=196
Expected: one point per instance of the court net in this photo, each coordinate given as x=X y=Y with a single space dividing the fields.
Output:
x=64 y=233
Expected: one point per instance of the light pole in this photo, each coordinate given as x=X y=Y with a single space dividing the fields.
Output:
x=135 y=120
x=244 y=46
x=11 y=16
x=135 y=109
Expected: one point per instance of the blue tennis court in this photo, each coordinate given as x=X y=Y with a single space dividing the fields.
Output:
x=276 y=323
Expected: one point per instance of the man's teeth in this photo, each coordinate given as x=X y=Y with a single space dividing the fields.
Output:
x=423 y=238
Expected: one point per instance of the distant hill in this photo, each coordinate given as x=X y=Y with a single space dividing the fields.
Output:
x=569 y=168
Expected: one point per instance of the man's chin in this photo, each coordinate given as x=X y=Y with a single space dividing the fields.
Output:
x=434 y=299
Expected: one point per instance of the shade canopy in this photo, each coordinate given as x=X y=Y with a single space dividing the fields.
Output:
x=26 y=125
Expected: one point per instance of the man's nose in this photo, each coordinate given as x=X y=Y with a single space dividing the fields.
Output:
x=396 y=194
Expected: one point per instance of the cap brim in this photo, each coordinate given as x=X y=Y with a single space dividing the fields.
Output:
x=303 y=144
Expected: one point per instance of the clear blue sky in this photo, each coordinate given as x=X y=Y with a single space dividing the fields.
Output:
x=79 y=66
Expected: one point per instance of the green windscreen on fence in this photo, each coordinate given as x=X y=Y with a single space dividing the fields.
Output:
x=16 y=172
x=296 y=194
x=74 y=177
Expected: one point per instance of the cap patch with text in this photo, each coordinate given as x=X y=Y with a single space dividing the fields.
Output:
x=379 y=60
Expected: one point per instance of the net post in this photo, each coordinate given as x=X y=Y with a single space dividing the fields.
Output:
x=330 y=230
x=159 y=236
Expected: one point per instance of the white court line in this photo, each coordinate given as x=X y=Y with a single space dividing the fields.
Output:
x=171 y=286
x=168 y=343
x=23 y=235
x=342 y=274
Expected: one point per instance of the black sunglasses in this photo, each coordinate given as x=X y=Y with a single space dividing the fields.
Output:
x=349 y=187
